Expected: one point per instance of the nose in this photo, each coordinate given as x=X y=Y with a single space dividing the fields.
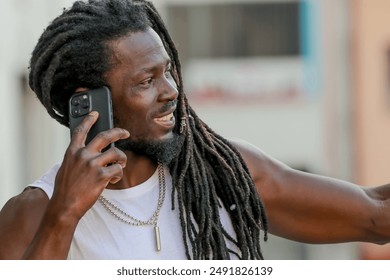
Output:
x=168 y=89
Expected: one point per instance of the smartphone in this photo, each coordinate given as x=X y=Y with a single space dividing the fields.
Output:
x=82 y=103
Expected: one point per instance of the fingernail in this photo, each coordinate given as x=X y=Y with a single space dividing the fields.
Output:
x=93 y=113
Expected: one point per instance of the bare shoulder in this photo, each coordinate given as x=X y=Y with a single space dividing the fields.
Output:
x=19 y=220
x=260 y=164
x=28 y=200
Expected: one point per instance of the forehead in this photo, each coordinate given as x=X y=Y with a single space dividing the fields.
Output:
x=137 y=48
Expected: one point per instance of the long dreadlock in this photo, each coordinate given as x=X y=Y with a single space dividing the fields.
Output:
x=208 y=172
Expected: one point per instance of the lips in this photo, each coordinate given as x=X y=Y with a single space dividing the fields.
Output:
x=167 y=120
x=165 y=117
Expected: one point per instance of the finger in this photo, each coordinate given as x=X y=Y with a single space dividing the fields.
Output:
x=105 y=138
x=81 y=89
x=113 y=173
x=79 y=135
x=112 y=156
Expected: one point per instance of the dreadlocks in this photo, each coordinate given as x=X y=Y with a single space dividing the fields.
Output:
x=208 y=172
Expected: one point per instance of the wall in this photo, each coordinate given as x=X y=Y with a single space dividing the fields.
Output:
x=31 y=141
x=371 y=89
x=371 y=41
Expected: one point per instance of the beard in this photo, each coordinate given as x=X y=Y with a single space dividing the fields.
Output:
x=163 y=151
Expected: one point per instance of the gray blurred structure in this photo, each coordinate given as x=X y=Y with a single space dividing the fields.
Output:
x=279 y=74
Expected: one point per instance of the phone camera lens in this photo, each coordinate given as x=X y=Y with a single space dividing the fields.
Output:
x=76 y=112
x=75 y=101
x=85 y=103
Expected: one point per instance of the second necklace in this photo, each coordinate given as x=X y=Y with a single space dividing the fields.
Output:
x=125 y=217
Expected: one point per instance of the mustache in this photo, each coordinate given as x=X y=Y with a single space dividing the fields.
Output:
x=168 y=106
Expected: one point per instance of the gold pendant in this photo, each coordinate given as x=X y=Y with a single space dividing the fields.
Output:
x=157 y=235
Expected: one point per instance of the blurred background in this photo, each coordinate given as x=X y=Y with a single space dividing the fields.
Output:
x=307 y=81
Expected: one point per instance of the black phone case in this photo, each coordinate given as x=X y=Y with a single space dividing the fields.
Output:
x=81 y=104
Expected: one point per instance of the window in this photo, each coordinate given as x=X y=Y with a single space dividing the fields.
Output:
x=235 y=30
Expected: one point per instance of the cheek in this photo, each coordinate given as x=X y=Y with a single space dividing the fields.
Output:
x=132 y=110
x=121 y=113
x=130 y=116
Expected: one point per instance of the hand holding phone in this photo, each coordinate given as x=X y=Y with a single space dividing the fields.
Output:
x=89 y=165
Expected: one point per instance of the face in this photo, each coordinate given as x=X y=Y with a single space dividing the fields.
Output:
x=144 y=93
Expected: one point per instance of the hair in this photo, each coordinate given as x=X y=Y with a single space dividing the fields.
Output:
x=208 y=173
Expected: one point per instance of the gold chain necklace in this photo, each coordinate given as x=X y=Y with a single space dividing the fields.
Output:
x=125 y=217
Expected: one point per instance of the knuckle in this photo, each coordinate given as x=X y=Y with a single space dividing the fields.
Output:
x=120 y=155
x=109 y=172
x=77 y=154
x=89 y=163
x=104 y=136
x=83 y=155
x=71 y=151
x=118 y=170
x=78 y=130
x=101 y=174
x=117 y=152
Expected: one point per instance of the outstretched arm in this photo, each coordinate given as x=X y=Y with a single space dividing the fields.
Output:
x=34 y=227
x=317 y=209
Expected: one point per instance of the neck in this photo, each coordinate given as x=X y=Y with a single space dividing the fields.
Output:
x=138 y=169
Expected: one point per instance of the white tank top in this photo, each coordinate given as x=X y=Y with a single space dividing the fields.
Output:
x=100 y=235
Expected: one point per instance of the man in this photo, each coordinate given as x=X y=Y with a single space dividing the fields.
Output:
x=171 y=188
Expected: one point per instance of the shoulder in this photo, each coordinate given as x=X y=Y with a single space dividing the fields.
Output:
x=29 y=204
x=47 y=181
x=30 y=196
x=19 y=220
x=262 y=166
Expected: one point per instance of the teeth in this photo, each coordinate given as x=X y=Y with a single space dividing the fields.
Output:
x=165 y=118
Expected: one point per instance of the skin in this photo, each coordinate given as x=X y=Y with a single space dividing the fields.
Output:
x=299 y=206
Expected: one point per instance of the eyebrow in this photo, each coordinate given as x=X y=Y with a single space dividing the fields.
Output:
x=152 y=68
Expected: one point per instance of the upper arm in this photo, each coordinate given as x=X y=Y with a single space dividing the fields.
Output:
x=19 y=221
x=307 y=207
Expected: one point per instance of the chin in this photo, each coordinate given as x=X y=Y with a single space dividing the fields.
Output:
x=167 y=136
x=163 y=149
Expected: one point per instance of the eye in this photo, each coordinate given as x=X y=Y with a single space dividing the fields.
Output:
x=168 y=71
x=146 y=83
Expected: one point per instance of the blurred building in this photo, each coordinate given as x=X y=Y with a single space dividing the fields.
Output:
x=370 y=96
x=306 y=81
